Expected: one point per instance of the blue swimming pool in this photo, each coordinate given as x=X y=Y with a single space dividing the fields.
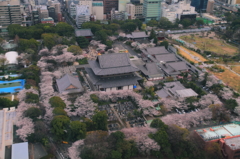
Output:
x=12 y=89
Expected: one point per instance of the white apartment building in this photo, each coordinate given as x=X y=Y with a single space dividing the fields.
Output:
x=174 y=11
x=97 y=10
x=72 y=10
x=43 y=12
x=130 y=9
x=87 y=3
x=83 y=14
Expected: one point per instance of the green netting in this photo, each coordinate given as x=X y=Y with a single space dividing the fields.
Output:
x=206 y=21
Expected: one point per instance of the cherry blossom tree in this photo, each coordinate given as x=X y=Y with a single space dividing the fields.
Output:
x=226 y=93
x=75 y=150
x=188 y=120
x=22 y=94
x=211 y=80
x=209 y=99
x=140 y=136
x=237 y=109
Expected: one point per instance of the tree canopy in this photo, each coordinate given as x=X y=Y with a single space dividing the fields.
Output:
x=59 y=126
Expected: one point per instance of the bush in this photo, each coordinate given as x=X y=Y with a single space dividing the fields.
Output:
x=83 y=61
x=94 y=98
x=57 y=102
x=59 y=111
x=27 y=86
x=31 y=98
x=33 y=113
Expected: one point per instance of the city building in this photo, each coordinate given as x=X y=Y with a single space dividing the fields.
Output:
x=43 y=12
x=97 y=10
x=118 y=15
x=152 y=10
x=20 y=151
x=7 y=119
x=227 y=136
x=122 y=5
x=112 y=72
x=175 y=89
x=49 y=20
x=109 y=5
x=10 y=13
x=130 y=9
x=87 y=3
x=72 y=10
x=52 y=14
x=35 y=16
x=200 y=5
x=83 y=15
x=139 y=11
x=69 y=84
x=179 y=10
x=210 y=6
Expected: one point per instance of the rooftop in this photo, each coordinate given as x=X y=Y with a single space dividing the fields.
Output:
x=20 y=151
x=151 y=70
x=83 y=32
x=217 y=132
x=109 y=64
x=184 y=93
x=134 y=35
x=69 y=84
x=233 y=143
x=167 y=58
x=157 y=50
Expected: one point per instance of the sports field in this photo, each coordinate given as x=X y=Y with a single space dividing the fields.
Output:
x=14 y=84
x=213 y=45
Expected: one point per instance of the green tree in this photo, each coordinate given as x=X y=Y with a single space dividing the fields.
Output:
x=165 y=23
x=102 y=36
x=51 y=39
x=82 y=41
x=78 y=130
x=164 y=43
x=231 y=104
x=76 y=50
x=93 y=26
x=152 y=23
x=33 y=113
x=57 y=102
x=59 y=126
x=6 y=103
x=25 y=44
x=31 y=98
x=12 y=29
x=113 y=26
x=129 y=27
x=100 y=120
x=152 y=34
x=185 y=22
x=200 y=22
x=59 y=111
x=138 y=23
x=31 y=72
x=116 y=155
x=64 y=29
x=157 y=123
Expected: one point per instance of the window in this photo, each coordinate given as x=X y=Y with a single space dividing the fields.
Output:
x=119 y=88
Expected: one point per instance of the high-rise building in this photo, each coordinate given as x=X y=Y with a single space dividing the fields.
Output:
x=43 y=12
x=210 y=6
x=130 y=8
x=35 y=16
x=52 y=14
x=97 y=10
x=152 y=9
x=10 y=13
x=200 y=5
x=108 y=5
x=139 y=11
x=122 y=5
x=83 y=15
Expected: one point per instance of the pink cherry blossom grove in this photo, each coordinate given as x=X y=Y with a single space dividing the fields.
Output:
x=140 y=136
x=209 y=99
x=189 y=119
x=75 y=150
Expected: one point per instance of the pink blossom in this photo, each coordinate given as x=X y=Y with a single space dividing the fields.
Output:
x=75 y=150
x=209 y=99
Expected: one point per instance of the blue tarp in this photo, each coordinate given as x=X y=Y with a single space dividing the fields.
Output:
x=12 y=89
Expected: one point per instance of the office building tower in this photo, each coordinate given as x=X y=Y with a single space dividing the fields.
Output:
x=130 y=9
x=10 y=13
x=210 y=6
x=200 y=5
x=122 y=5
x=108 y=5
x=139 y=11
x=83 y=15
x=52 y=14
x=152 y=9
x=97 y=10
x=35 y=16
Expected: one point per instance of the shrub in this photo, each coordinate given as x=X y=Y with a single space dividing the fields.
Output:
x=57 y=102
x=31 y=98
x=94 y=98
x=59 y=111
x=33 y=113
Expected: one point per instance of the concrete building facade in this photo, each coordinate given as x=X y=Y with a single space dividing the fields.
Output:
x=122 y=5
x=83 y=15
x=139 y=11
x=151 y=10
x=109 y=5
x=10 y=13
x=210 y=6
x=97 y=10
x=130 y=9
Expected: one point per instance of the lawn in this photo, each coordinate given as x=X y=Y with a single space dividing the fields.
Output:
x=229 y=78
x=200 y=57
x=213 y=45
x=236 y=69
x=14 y=84
x=187 y=56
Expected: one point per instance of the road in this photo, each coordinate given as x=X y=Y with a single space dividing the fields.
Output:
x=121 y=46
